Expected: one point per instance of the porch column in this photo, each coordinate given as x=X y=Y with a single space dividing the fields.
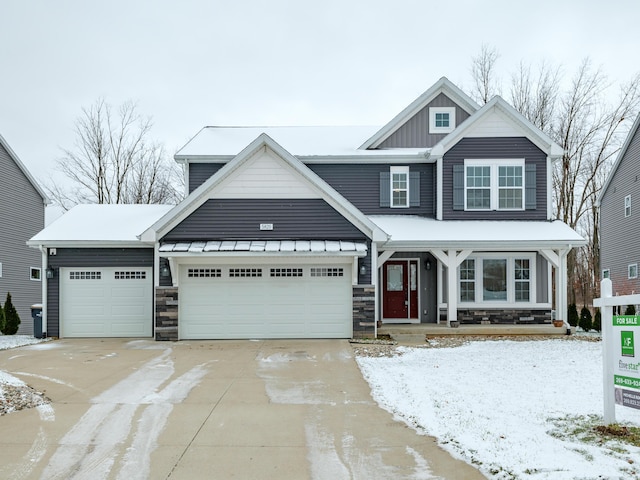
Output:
x=452 y=260
x=561 y=287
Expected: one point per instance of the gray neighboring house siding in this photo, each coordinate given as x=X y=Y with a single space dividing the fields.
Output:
x=21 y=217
x=88 y=257
x=415 y=132
x=495 y=148
x=360 y=184
x=620 y=235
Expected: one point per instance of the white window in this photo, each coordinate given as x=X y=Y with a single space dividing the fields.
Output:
x=627 y=206
x=494 y=184
x=0 y=269
x=442 y=119
x=35 y=274
x=606 y=273
x=497 y=279
x=632 y=270
x=399 y=187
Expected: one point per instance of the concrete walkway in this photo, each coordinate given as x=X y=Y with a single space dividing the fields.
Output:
x=126 y=409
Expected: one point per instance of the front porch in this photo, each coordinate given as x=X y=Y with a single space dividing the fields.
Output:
x=417 y=333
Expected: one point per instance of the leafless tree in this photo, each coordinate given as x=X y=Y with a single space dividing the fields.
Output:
x=114 y=161
x=591 y=131
x=483 y=72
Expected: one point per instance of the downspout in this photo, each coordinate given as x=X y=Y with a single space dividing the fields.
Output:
x=45 y=284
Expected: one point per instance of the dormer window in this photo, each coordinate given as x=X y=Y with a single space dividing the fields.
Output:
x=442 y=119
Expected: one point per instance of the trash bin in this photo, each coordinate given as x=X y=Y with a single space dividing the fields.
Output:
x=36 y=314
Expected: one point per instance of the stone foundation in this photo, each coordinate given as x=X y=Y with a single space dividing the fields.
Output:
x=364 y=310
x=506 y=316
x=166 y=313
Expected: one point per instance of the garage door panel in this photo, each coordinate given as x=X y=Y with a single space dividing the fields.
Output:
x=106 y=302
x=285 y=302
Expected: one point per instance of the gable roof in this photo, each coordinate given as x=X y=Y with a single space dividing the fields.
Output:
x=516 y=120
x=24 y=170
x=621 y=155
x=441 y=86
x=200 y=195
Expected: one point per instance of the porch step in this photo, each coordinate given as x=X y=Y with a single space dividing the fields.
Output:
x=420 y=331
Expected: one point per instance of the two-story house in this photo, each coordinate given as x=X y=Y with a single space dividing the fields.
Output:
x=619 y=227
x=22 y=204
x=317 y=232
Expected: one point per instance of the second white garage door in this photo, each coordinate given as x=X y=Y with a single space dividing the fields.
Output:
x=106 y=302
x=265 y=301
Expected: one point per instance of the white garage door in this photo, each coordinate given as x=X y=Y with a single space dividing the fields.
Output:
x=265 y=301
x=106 y=302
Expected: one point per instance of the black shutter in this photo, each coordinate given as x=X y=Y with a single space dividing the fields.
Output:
x=385 y=189
x=414 y=189
x=530 y=186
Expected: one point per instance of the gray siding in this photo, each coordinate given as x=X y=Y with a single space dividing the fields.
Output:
x=201 y=172
x=360 y=184
x=239 y=219
x=620 y=235
x=495 y=148
x=415 y=132
x=88 y=257
x=21 y=217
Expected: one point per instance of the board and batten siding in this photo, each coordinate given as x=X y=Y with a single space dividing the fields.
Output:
x=21 y=217
x=495 y=148
x=360 y=184
x=415 y=132
x=201 y=172
x=89 y=258
x=240 y=219
x=620 y=235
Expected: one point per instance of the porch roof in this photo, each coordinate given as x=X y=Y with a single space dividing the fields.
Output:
x=410 y=231
x=335 y=247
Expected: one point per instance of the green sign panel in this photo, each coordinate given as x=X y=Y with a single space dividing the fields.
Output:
x=626 y=341
x=624 y=320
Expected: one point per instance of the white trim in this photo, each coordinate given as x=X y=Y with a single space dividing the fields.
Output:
x=510 y=301
x=35 y=269
x=0 y=269
x=494 y=187
x=399 y=171
x=433 y=128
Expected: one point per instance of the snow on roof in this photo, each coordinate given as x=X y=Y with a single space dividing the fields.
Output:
x=409 y=229
x=100 y=224
x=299 y=141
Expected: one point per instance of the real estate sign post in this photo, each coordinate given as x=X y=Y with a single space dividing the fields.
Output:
x=620 y=352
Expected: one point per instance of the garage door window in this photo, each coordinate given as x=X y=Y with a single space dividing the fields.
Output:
x=78 y=275
x=245 y=272
x=130 y=275
x=327 y=272
x=286 y=272
x=204 y=273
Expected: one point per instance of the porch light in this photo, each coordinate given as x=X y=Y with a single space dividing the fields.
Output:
x=50 y=272
x=427 y=264
x=164 y=271
x=363 y=270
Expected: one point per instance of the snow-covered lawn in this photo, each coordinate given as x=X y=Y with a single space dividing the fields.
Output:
x=515 y=409
x=13 y=341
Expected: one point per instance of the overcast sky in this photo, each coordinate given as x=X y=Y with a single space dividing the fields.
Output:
x=192 y=63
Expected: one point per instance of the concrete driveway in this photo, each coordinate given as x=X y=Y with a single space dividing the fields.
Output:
x=124 y=409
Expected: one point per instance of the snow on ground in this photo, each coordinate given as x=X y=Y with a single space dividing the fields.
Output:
x=507 y=407
x=13 y=341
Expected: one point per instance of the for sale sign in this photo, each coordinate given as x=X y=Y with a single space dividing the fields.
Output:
x=627 y=365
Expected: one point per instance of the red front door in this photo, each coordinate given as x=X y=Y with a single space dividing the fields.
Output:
x=400 y=290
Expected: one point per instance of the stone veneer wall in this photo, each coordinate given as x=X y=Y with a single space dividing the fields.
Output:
x=364 y=310
x=166 y=313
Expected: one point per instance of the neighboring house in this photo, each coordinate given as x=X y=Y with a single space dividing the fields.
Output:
x=619 y=218
x=22 y=204
x=441 y=215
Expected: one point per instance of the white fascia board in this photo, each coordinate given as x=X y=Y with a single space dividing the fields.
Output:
x=381 y=156
x=324 y=190
x=441 y=86
x=413 y=246
x=539 y=138
x=89 y=244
